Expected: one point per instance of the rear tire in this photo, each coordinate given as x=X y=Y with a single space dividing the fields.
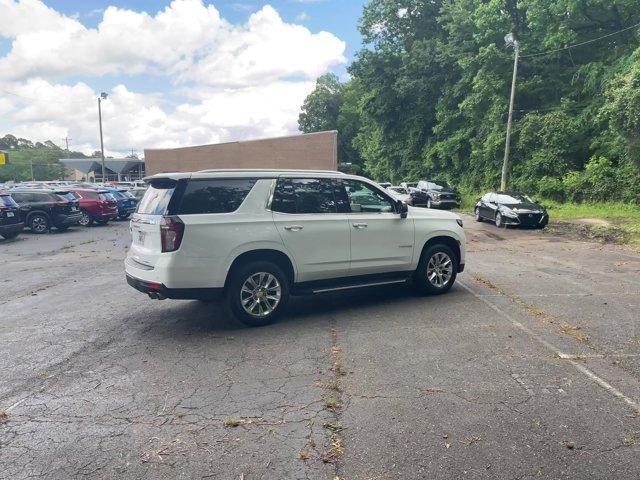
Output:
x=39 y=223
x=257 y=293
x=437 y=270
x=85 y=220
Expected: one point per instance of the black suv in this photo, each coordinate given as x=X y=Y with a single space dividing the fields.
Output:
x=440 y=193
x=42 y=209
x=10 y=224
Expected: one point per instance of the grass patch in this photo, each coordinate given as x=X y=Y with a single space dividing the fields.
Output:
x=332 y=403
x=606 y=210
x=233 y=422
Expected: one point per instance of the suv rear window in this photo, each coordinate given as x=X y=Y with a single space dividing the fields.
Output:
x=215 y=195
x=7 y=201
x=155 y=200
x=308 y=195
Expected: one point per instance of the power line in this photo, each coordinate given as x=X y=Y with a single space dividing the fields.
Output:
x=569 y=47
x=41 y=99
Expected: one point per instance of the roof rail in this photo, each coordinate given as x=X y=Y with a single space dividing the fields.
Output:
x=267 y=170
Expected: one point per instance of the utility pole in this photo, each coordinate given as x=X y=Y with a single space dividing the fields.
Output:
x=103 y=96
x=66 y=141
x=510 y=40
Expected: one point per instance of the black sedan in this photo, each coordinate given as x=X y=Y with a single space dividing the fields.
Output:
x=511 y=208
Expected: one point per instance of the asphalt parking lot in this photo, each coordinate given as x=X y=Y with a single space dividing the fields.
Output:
x=528 y=368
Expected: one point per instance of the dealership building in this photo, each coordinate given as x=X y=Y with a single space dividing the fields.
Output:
x=116 y=169
x=309 y=151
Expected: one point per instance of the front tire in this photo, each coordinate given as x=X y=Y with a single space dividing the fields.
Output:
x=499 y=221
x=437 y=270
x=429 y=203
x=39 y=223
x=257 y=293
x=477 y=213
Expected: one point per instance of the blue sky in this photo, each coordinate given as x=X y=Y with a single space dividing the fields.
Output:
x=178 y=72
x=339 y=17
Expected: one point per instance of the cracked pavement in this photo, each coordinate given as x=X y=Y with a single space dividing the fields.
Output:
x=528 y=368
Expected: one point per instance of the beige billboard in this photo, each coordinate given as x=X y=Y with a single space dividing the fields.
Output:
x=310 y=151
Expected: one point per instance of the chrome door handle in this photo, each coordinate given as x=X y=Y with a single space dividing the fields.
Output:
x=294 y=228
x=360 y=225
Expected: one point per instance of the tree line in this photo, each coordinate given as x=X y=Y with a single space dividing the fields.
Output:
x=428 y=96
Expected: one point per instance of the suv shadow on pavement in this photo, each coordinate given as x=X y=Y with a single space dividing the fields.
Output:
x=200 y=318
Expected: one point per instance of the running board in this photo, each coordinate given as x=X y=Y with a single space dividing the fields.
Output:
x=359 y=285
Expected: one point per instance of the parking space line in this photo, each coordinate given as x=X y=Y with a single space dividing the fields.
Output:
x=578 y=366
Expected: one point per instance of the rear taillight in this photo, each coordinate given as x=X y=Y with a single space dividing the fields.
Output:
x=171 y=232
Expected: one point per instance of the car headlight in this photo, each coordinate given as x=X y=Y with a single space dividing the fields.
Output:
x=436 y=195
x=508 y=212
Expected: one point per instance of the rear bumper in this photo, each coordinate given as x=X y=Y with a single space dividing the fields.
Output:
x=11 y=228
x=65 y=220
x=175 y=293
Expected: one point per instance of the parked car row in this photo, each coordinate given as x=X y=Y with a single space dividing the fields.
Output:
x=502 y=208
x=43 y=206
x=425 y=193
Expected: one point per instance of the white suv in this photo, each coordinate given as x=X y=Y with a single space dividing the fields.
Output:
x=258 y=236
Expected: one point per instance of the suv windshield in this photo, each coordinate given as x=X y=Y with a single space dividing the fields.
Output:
x=155 y=200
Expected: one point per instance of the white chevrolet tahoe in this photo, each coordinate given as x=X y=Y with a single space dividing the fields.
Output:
x=258 y=236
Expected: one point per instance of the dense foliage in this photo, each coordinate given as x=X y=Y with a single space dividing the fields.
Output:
x=44 y=156
x=428 y=95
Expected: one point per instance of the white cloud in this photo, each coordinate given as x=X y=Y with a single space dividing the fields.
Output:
x=231 y=81
x=187 y=41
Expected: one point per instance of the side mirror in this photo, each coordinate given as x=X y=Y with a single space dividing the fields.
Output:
x=402 y=209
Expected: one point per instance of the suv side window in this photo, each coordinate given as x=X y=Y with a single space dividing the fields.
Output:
x=304 y=195
x=215 y=195
x=365 y=199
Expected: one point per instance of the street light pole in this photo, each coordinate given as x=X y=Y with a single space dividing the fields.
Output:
x=510 y=40
x=103 y=96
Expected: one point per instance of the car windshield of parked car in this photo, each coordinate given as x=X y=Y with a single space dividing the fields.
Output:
x=513 y=199
x=155 y=201
x=438 y=185
x=397 y=189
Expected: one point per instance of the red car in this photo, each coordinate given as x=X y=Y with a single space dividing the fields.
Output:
x=96 y=206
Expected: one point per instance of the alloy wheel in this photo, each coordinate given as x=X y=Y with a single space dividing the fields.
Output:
x=260 y=294
x=84 y=220
x=439 y=269
x=498 y=220
x=39 y=224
